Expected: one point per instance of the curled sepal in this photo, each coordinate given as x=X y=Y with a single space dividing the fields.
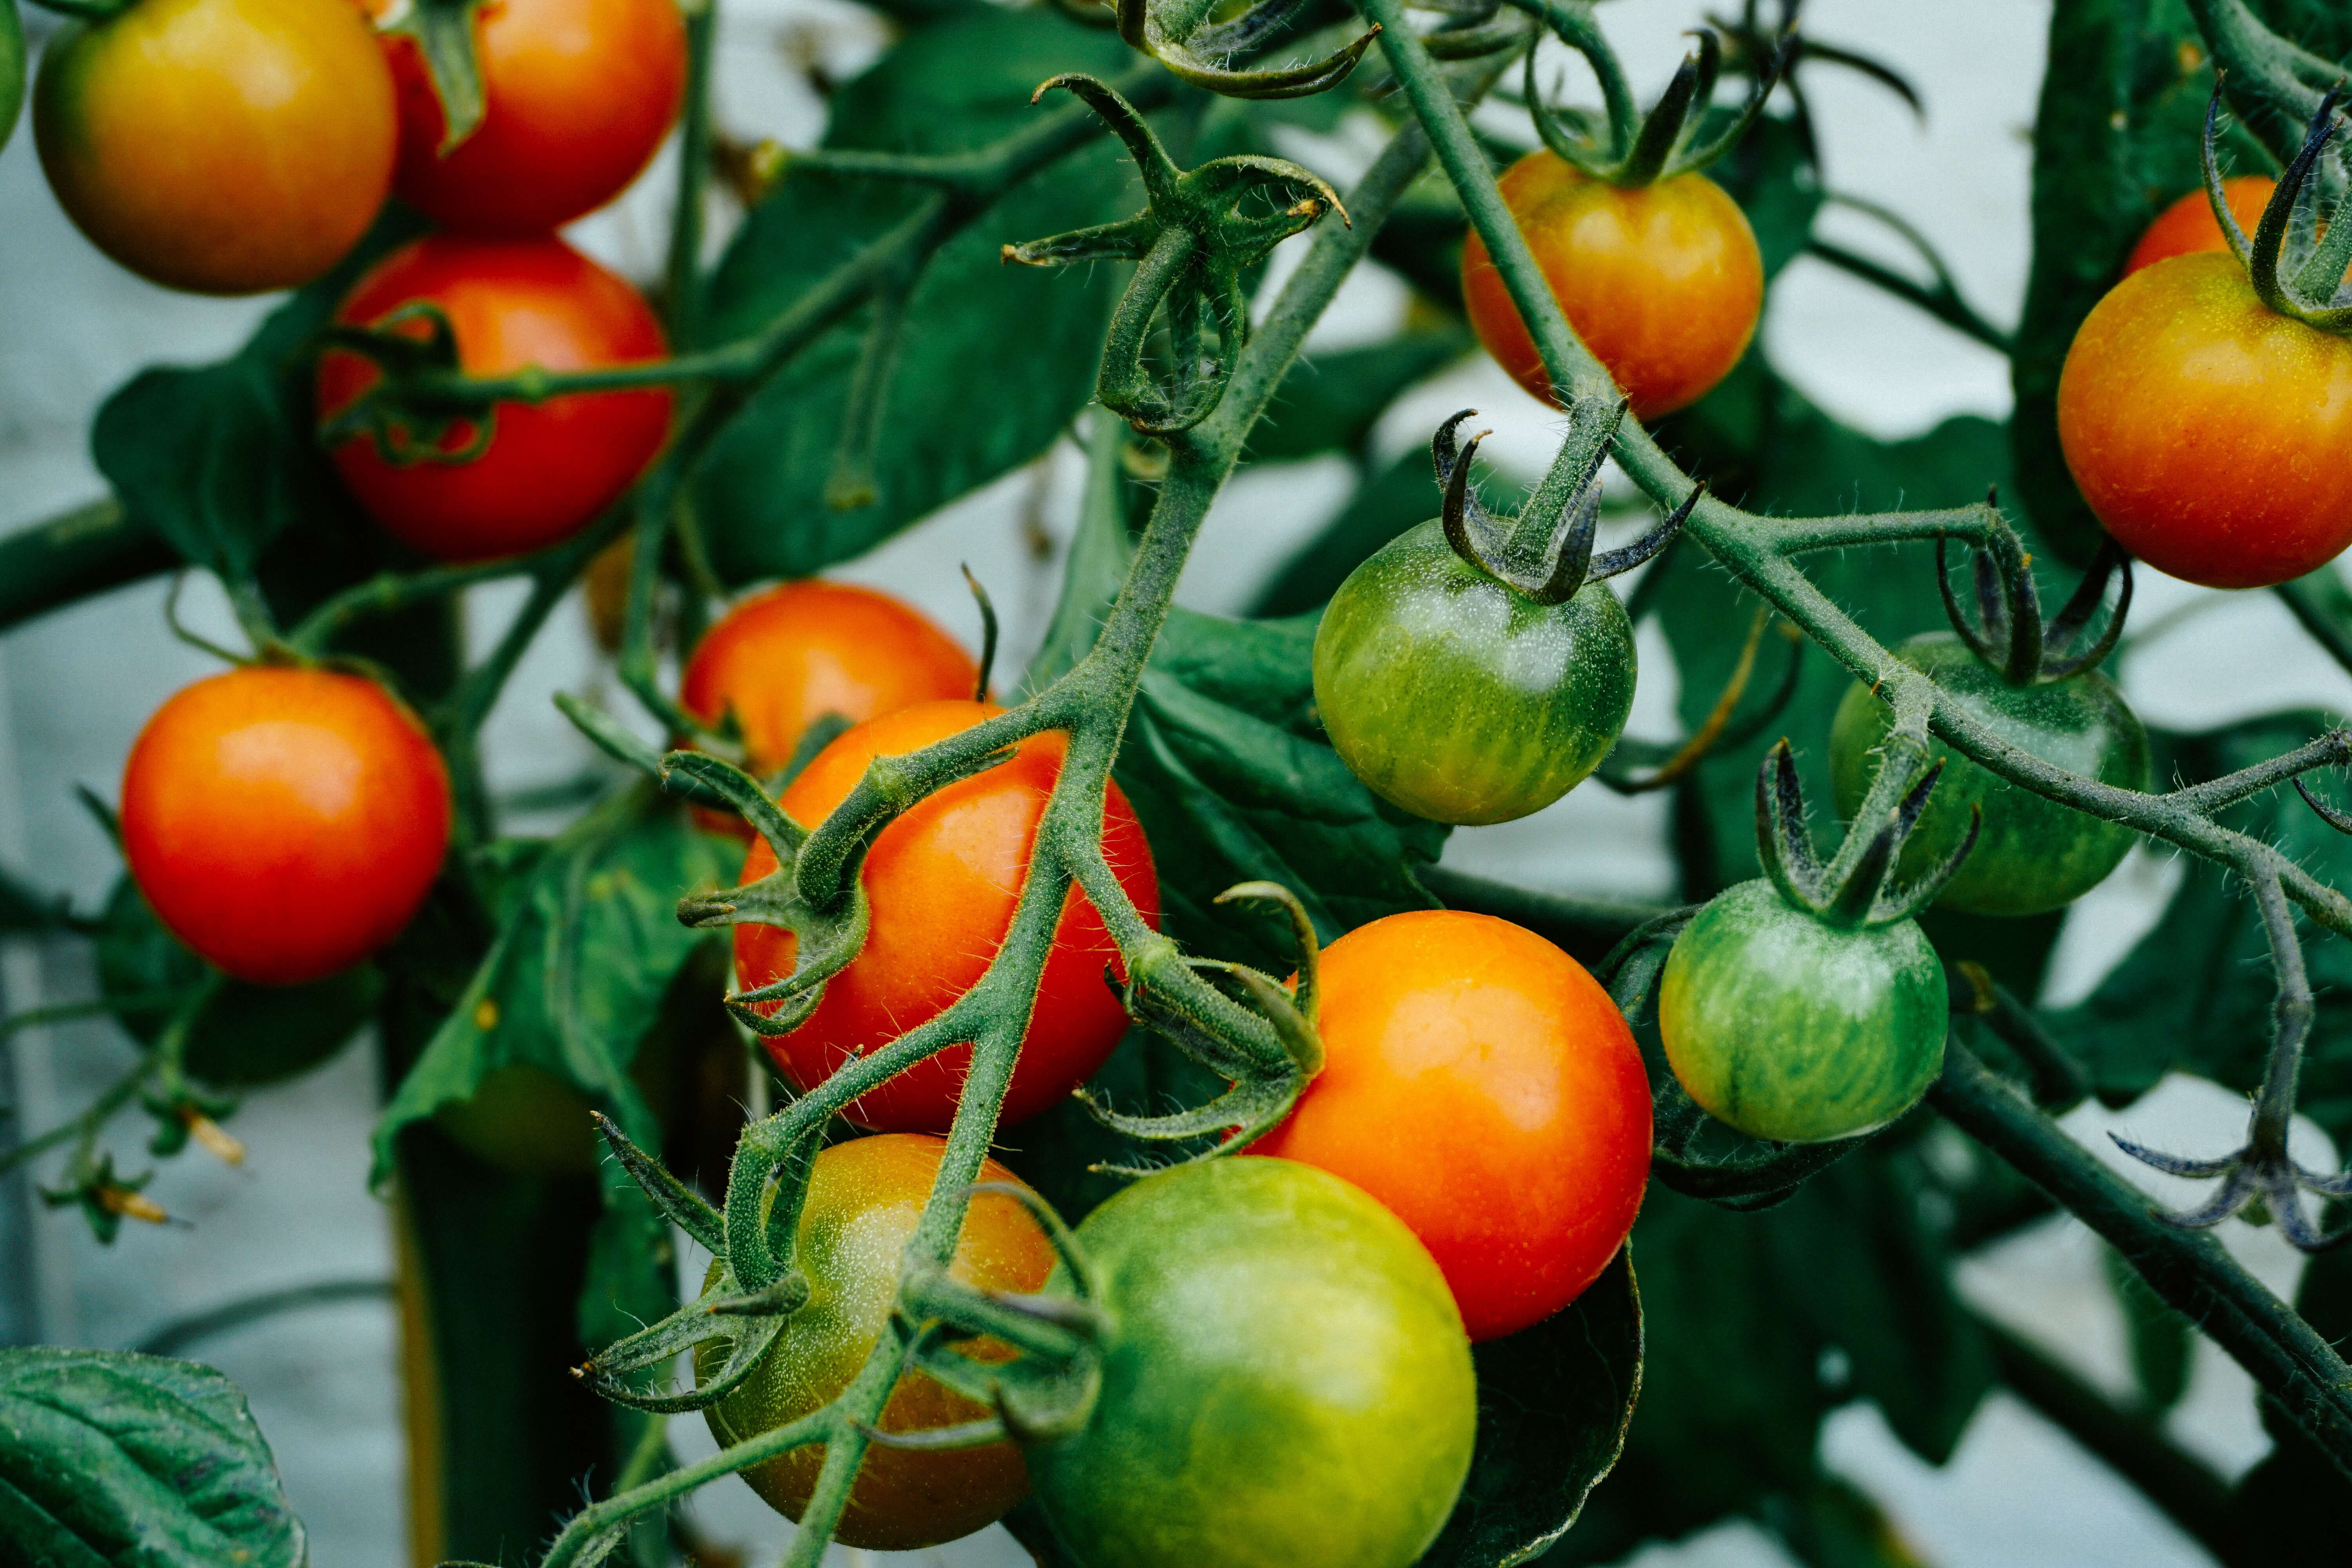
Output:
x=685 y=1207
x=1856 y=889
x=444 y=34
x=2296 y=270
x=1201 y=229
x=1047 y=1389
x=1180 y=35
x=2005 y=628
x=408 y=415
x=1302 y=1000
x=1665 y=142
x=1545 y=552
x=609 y=736
x=613 y=1372
x=2334 y=816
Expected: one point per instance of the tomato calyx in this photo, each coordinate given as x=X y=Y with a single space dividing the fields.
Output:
x=1190 y=43
x=1193 y=240
x=1855 y=891
x=415 y=410
x=1210 y=1028
x=2007 y=631
x=444 y=34
x=2295 y=271
x=1668 y=140
x=1545 y=552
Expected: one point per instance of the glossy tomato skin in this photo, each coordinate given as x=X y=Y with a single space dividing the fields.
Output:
x=1786 y=1028
x=943 y=881
x=2032 y=854
x=1288 y=1383
x=790 y=655
x=1664 y=283
x=1485 y=1087
x=549 y=466
x=221 y=146
x=865 y=1197
x=2187 y=226
x=1461 y=700
x=2207 y=432
x=577 y=96
x=284 y=823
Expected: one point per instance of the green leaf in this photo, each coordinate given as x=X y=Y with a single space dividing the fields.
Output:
x=12 y=72
x=1769 y=176
x=2195 y=994
x=247 y=1035
x=1227 y=768
x=1553 y=1404
x=112 y=1458
x=1331 y=401
x=219 y=459
x=995 y=360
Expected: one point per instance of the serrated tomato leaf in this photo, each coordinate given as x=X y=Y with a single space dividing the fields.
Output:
x=110 y=1458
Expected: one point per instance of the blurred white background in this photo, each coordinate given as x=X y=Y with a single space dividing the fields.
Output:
x=75 y=687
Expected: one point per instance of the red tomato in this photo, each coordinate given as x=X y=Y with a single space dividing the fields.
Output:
x=1484 y=1087
x=224 y=146
x=2208 y=433
x=2186 y=227
x=942 y=881
x=549 y=466
x=1663 y=282
x=786 y=656
x=284 y=823
x=577 y=96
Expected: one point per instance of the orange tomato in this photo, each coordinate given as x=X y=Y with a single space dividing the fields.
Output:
x=577 y=96
x=2187 y=226
x=1663 y=282
x=1484 y=1087
x=550 y=467
x=222 y=146
x=942 y=881
x=2209 y=433
x=784 y=657
x=865 y=1198
x=284 y=823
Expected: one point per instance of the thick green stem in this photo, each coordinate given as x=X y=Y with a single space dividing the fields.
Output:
x=2186 y=1269
x=83 y=552
x=682 y=287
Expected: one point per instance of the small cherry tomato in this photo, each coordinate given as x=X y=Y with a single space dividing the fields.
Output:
x=284 y=823
x=2187 y=226
x=1286 y=1382
x=865 y=1198
x=787 y=657
x=943 y=881
x=577 y=96
x=1787 y=1027
x=1456 y=696
x=1664 y=283
x=1482 y=1086
x=2032 y=854
x=2207 y=432
x=549 y=466
x=222 y=146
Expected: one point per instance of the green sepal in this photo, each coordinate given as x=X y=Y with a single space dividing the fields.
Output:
x=444 y=31
x=1179 y=35
x=403 y=416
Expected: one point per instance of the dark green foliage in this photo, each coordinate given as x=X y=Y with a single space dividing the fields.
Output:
x=114 y=1460
x=995 y=359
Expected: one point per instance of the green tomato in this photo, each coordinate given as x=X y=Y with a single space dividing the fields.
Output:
x=1790 y=1028
x=1453 y=695
x=2032 y=854
x=12 y=69
x=1288 y=1384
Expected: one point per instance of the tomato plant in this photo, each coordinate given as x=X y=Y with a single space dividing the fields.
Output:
x=862 y=1201
x=284 y=823
x=790 y=654
x=1485 y=1088
x=1226 y=1282
x=544 y=468
x=943 y=880
x=2188 y=225
x=225 y=146
x=576 y=97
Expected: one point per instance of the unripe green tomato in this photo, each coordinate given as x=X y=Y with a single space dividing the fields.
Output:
x=2032 y=852
x=1288 y=1384
x=1787 y=1027
x=1461 y=700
